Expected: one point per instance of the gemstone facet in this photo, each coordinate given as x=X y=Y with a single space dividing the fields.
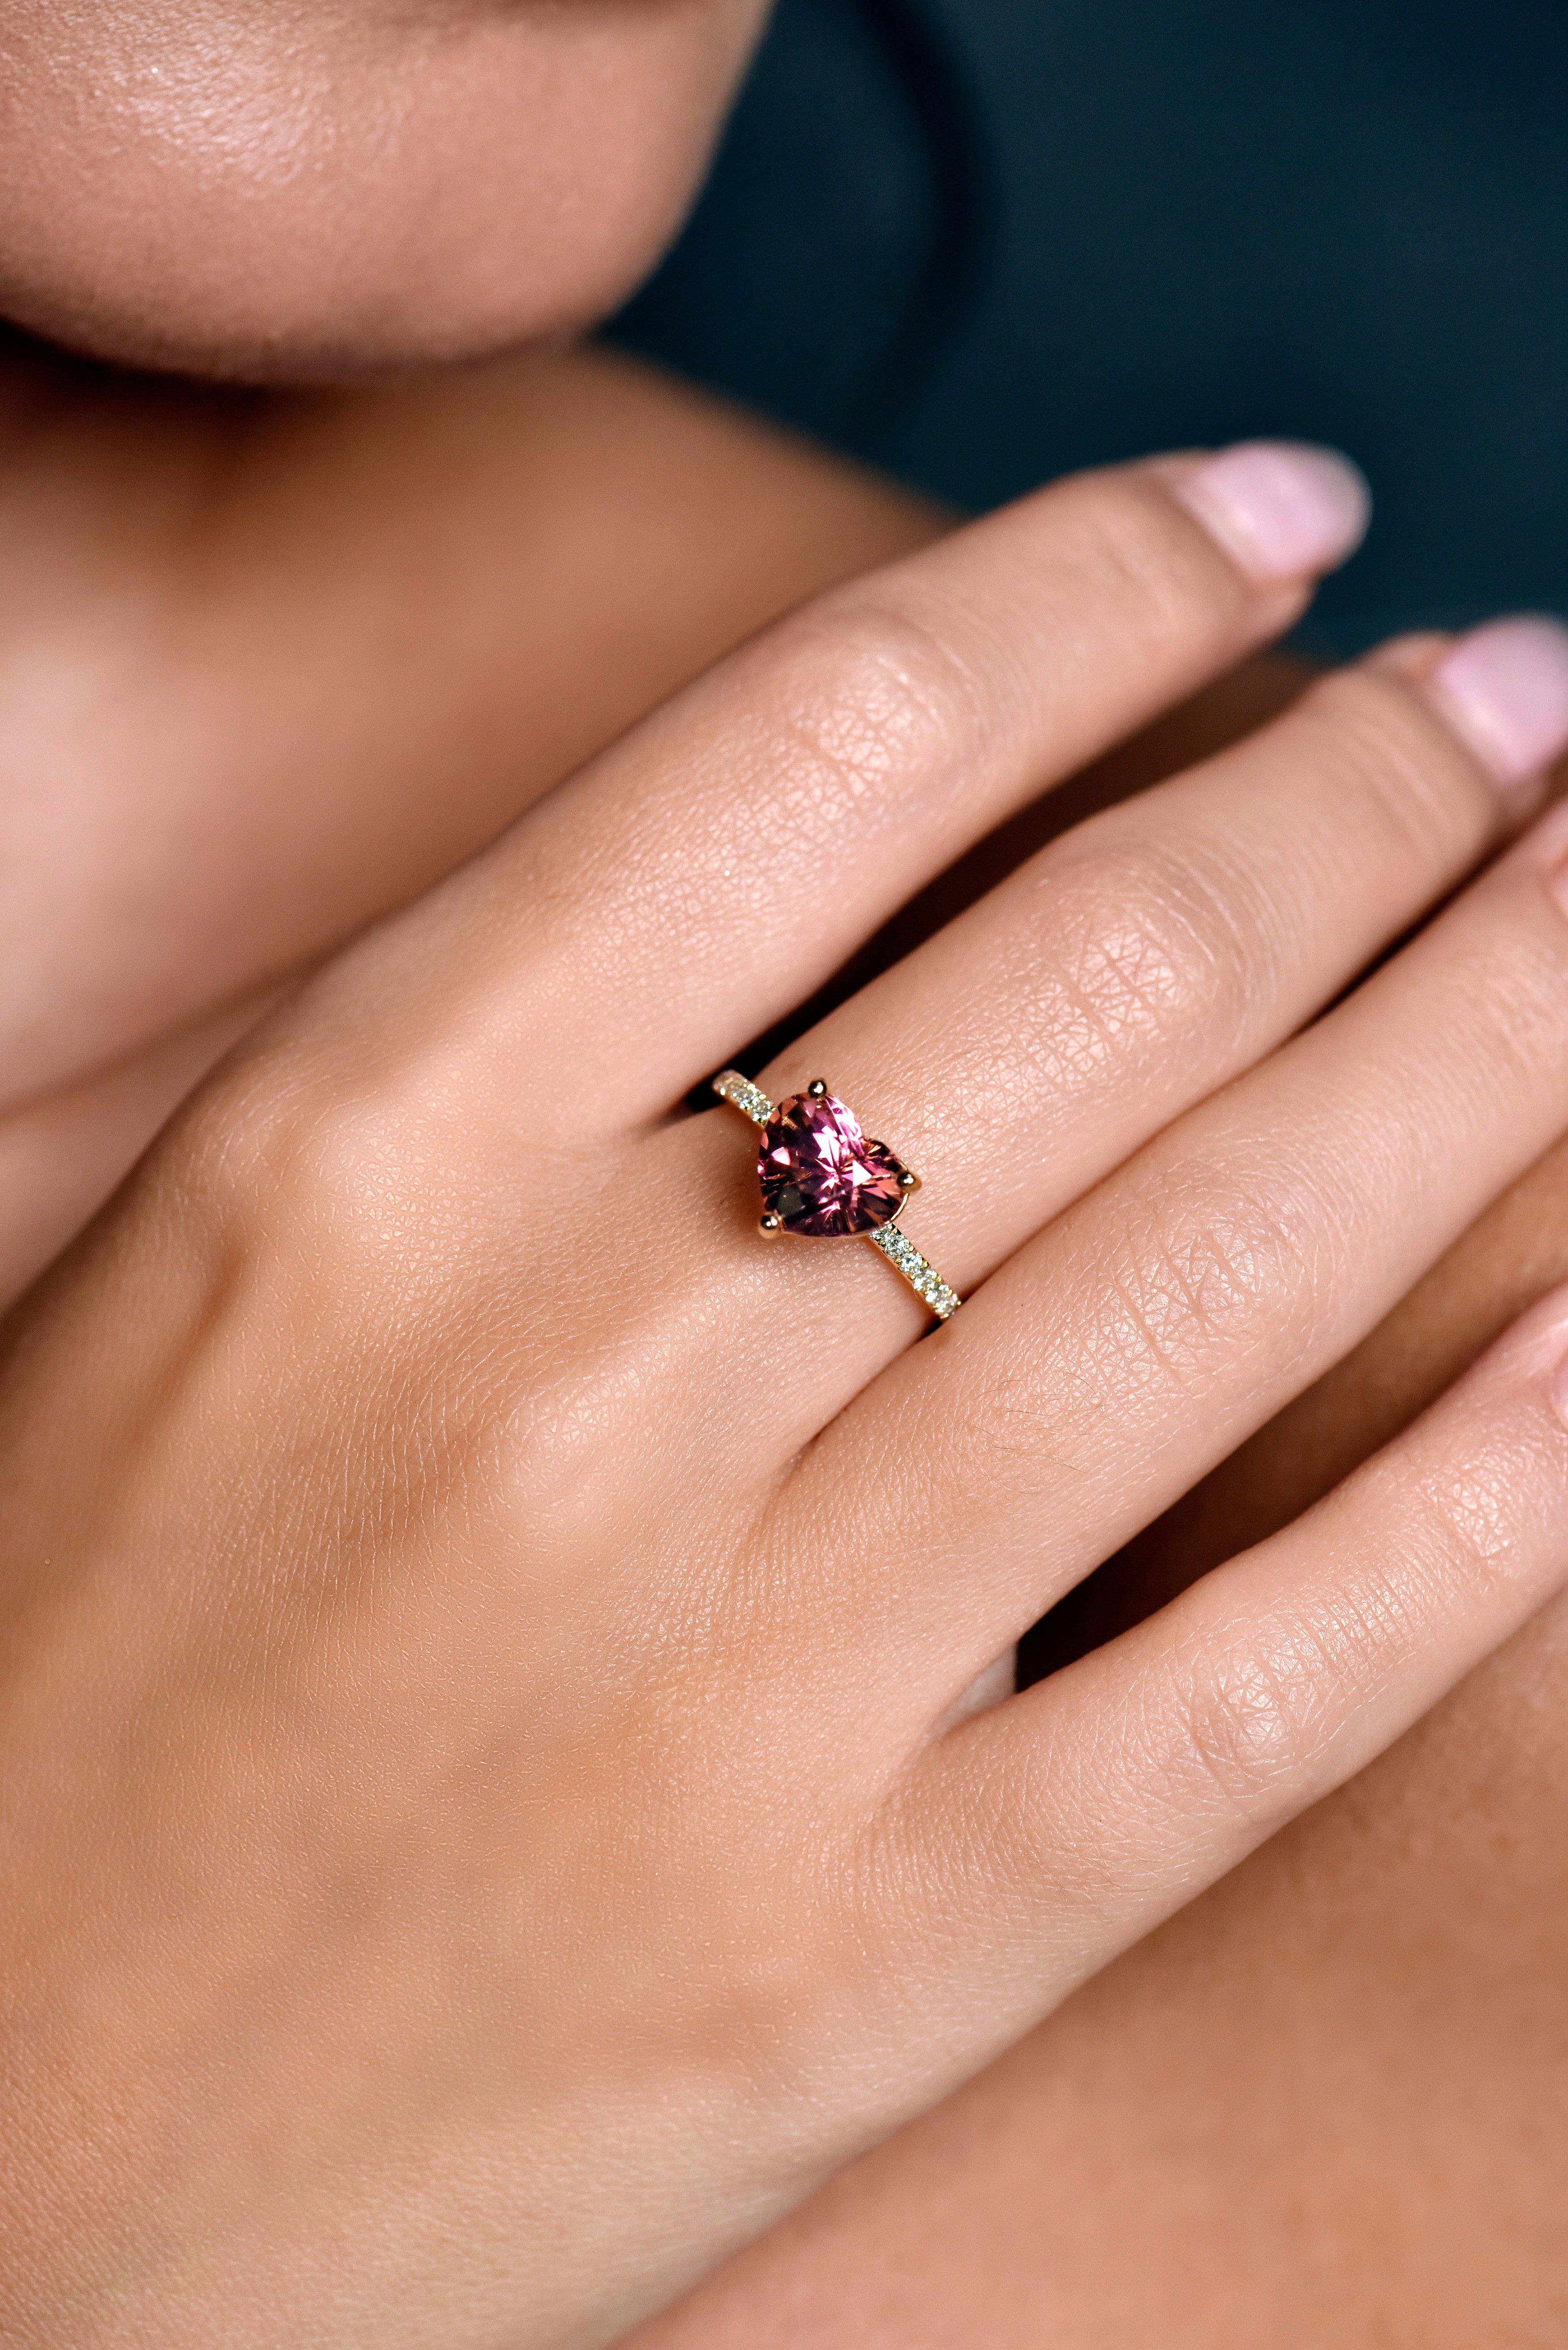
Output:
x=821 y=1176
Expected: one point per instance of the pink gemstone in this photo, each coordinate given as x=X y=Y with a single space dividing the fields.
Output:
x=820 y=1175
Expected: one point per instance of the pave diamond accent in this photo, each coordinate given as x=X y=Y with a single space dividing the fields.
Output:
x=901 y=1253
x=921 y=1277
x=732 y=1088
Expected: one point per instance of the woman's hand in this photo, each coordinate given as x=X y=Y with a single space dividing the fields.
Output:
x=494 y=1796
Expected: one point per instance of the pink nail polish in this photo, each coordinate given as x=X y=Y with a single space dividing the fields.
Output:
x=1281 y=509
x=1504 y=689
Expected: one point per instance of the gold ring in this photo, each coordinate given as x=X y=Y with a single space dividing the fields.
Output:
x=823 y=1178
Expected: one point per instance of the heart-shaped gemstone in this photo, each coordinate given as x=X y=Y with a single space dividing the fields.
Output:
x=820 y=1174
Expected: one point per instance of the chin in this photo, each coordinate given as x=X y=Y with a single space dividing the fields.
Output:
x=235 y=192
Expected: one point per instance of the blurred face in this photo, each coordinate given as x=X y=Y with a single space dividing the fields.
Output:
x=287 y=188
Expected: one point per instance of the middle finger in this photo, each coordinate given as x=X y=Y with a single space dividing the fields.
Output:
x=713 y=868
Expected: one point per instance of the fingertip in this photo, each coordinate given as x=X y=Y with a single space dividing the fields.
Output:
x=1503 y=687
x=1538 y=1342
x=1281 y=510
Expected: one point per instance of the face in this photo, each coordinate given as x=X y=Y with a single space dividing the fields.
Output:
x=323 y=187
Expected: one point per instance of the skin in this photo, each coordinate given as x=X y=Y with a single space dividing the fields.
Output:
x=237 y=1730
x=107 y=259
x=378 y=182
x=1325 y=2102
x=181 y=487
x=1254 y=2126
x=464 y=582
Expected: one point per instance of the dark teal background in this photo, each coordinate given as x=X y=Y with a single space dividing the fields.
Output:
x=983 y=241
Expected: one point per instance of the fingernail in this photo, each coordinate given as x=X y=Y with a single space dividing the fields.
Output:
x=1505 y=691
x=1281 y=509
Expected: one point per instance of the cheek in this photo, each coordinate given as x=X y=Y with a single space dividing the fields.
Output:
x=252 y=191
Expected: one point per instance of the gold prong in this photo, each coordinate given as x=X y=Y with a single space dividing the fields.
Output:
x=908 y=1180
x=817 y=1088
x=770 y=1225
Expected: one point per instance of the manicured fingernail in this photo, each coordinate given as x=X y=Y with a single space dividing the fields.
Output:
x=1281 y=509
x=1505 y=690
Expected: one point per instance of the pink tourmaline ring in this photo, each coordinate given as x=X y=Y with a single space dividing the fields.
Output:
x=823 y=1178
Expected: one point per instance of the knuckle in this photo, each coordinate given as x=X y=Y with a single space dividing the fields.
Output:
x=1252 y=1715
x=910 y=669
x=307 y=1166
x=872 y=689
x=1139 y=563
x=1501 y=994
x=1464 y=1530
x=224 y=1156
x=1210 y=1268
x=1379 y=745
x=335 y=1208
x=1145 y=948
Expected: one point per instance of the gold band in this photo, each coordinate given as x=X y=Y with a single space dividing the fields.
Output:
x=900 y=1252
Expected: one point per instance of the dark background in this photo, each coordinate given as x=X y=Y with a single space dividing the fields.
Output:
x=980 y=242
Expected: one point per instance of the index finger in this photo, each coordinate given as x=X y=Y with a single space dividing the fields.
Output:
x=705 y=875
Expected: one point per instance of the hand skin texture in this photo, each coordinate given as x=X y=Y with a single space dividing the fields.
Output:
x=491 y=1815
x=1378 y=2168
x=271 y=664
x=1325 y=2104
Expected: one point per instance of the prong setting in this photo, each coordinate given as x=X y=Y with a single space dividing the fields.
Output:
x=900 y=1251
